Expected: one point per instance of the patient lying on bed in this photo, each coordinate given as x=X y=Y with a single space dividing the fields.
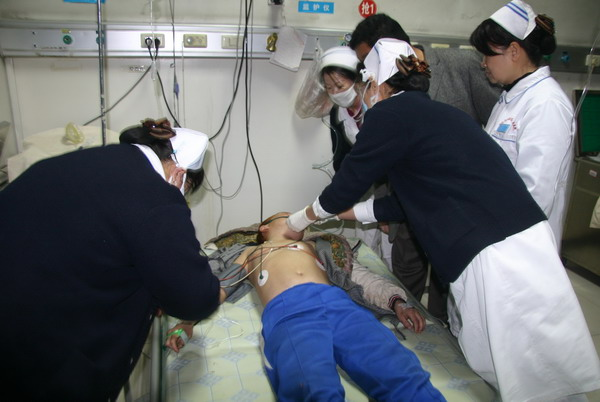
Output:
x=310 y=327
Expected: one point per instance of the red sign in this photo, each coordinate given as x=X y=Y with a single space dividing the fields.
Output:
x=367 y=8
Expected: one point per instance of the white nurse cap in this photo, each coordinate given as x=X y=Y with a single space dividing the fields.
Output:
x=189 y=147
x=517 y=17
x=380 y=63
x=339 y=56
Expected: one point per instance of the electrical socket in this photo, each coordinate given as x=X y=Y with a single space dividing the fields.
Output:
x=194 y=40
x=159 y=36
x=592 y=60
x=232 y=42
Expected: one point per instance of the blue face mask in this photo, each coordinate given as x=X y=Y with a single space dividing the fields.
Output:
x=373 y=99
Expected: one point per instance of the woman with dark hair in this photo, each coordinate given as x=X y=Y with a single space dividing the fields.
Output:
x=94 y=242
x=511 y=304
x=173 y=147
x=533 y=120
x=338 y=75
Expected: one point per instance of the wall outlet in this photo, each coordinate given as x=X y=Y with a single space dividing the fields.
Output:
x=592 y=60
x=194 y=40
x=159 y=36
x=232 y=42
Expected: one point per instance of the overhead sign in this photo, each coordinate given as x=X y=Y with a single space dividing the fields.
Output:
x=367 y=8
x=321 y=7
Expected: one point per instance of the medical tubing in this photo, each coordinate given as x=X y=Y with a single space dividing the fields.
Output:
x=236 y=81
x=243 y=267
x=248 y=109
x=259 y=265
x=589 y=79
x=239 y=73
x=121 y=98
x=175 y=81
x=101 y=51
x=335 y=145
x=162 y=89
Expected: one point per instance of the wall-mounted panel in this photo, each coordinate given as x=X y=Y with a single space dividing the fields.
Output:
x=577 y=21
x=80 y=40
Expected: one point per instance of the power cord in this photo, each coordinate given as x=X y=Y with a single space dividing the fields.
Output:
x=154 y=57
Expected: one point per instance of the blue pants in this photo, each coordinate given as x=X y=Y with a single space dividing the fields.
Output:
x=311 y=328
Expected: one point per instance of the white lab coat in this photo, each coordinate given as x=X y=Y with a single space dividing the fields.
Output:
x=533 y=123
x=350 y=126
x=519 y=323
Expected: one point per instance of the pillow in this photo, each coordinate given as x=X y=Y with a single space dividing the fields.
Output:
x=243 y=235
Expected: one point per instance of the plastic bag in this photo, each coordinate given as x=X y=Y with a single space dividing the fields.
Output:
x=312 y=99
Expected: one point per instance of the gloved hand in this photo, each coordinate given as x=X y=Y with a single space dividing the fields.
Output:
x=298 y=221
x=363 y=211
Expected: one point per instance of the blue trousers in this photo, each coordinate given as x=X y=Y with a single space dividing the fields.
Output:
x=311 y=328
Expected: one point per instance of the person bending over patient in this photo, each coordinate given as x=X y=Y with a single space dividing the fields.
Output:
x=311 y=326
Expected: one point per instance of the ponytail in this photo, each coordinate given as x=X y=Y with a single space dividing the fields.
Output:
x=156 y=134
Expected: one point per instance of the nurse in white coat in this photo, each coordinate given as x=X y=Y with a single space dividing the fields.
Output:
x=533 y=120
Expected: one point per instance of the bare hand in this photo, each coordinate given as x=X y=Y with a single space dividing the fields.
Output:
x=410 y=318
x=384 y=227
x=174 y=341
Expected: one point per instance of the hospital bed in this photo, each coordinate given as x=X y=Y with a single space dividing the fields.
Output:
x=222 y=361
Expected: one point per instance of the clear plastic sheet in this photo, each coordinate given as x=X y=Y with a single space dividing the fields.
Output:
x=312 y=99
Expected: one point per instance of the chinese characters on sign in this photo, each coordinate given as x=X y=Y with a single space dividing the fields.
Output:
x=367 y=8
x=322 y=7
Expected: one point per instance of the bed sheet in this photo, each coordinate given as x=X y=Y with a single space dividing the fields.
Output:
x=222 y=361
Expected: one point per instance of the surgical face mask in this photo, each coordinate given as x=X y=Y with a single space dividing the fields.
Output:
x=344 y=99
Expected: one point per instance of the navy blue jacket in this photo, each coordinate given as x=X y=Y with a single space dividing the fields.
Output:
x=452 y=182
x=91 y=244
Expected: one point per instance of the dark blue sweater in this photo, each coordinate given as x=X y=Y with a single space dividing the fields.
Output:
x=452 y=182
x=92 y=243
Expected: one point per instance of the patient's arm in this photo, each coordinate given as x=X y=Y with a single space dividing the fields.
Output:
x=377 y=289
x=222 y=296
x=380 y=292
x=174 y=340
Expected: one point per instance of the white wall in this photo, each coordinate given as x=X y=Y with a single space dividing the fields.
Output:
x=54 y=91
x=577 y=21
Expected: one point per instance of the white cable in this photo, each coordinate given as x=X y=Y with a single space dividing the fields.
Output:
x=328 y=162
x=259 y=265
